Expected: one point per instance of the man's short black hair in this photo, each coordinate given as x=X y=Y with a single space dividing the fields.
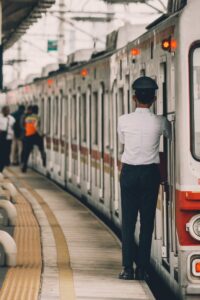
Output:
x=145 y=96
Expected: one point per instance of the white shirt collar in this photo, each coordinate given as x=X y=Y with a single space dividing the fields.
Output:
x=142 y=110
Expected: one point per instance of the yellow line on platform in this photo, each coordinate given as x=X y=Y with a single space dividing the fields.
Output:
x=63 y=259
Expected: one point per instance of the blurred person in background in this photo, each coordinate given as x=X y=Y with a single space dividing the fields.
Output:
x=32 y=137
x=18 y=135
x=6 y=136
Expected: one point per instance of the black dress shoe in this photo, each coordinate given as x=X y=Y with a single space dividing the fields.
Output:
x=24 y=169
x=126 y=274
x=140 y=274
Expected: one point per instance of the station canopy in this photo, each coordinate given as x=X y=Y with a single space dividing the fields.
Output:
x=18 y=16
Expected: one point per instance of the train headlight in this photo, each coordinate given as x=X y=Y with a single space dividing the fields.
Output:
x=194 y=227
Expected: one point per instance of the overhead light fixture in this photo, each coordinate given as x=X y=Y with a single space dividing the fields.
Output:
x=92 y=19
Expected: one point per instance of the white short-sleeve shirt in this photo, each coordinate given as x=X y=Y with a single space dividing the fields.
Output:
x=140 y=133
x=6 y=123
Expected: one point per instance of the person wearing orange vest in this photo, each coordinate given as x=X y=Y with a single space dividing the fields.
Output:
x=32 y=137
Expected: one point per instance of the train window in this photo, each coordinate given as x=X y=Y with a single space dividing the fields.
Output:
x=83 y=118
x=49 y=116
x=63 y=119
x=195 y=99
x=120 y=69
x=142 y=72
x=152 y=47
x=61 y=113
x=67 y=118
x=121 y=102
x=55 y=118
x=74 y=116
x=95 y=73
x=95 y=119
x=128 y=99
x=42 y=116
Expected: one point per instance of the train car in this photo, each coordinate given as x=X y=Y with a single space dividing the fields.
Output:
x=80 y=107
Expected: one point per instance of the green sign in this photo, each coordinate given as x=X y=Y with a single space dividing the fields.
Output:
x=52 y=45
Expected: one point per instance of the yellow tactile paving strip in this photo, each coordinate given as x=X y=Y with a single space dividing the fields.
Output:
x=63 y=259
x=23 y=281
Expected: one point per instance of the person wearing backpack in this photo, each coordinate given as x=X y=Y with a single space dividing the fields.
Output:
x=32 y=138
x=18 y=135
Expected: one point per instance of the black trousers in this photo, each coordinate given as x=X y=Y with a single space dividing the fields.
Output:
x=139 y=192
x=28 y=143
x=5 y=149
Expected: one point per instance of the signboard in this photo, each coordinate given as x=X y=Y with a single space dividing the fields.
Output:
x=52 y=45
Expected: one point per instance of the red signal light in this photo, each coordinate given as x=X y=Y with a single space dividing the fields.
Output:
x=135 y=51
x=173 y=45
x=50 y=81
x=84 y=72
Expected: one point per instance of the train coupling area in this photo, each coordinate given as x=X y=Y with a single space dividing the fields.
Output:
x=55 y=247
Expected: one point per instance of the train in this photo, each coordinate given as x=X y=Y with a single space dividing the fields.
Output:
x=79 y=108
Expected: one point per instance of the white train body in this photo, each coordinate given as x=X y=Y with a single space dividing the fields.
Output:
x=79 y=109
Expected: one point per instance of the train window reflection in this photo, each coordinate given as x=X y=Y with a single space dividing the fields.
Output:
x=195 y=101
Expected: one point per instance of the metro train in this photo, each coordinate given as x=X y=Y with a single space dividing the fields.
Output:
x=79 y=108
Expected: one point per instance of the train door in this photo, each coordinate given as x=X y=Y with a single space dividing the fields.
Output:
x=74 y=131
x=118 y=109
x=101 y=141
x=69 y=165
x=63 y=136
x=167 y=155
x=83 y=129
x=48 y=133
x=89 y=142
x=66 y=137
x=78 y=140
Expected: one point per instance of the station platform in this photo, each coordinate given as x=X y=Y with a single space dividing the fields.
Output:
x=63 y=250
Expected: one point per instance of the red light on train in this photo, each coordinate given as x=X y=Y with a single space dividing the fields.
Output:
x=135 y=51
x=166 y=44
x=169 y=45
x=84 y=72
x=173 y=45
x=50 y=81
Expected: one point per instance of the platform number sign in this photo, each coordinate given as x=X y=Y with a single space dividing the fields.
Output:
x=52 y=45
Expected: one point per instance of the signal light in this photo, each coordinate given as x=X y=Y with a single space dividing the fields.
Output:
x=84 y=73
x=169 y=45
x=135 y=51
x=173 y=45
x=166 y=44
x=50 y=81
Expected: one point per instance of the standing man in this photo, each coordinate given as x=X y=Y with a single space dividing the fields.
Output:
x=140 y=178
x=6 y=135
x=18 y=135
x=32 y=138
